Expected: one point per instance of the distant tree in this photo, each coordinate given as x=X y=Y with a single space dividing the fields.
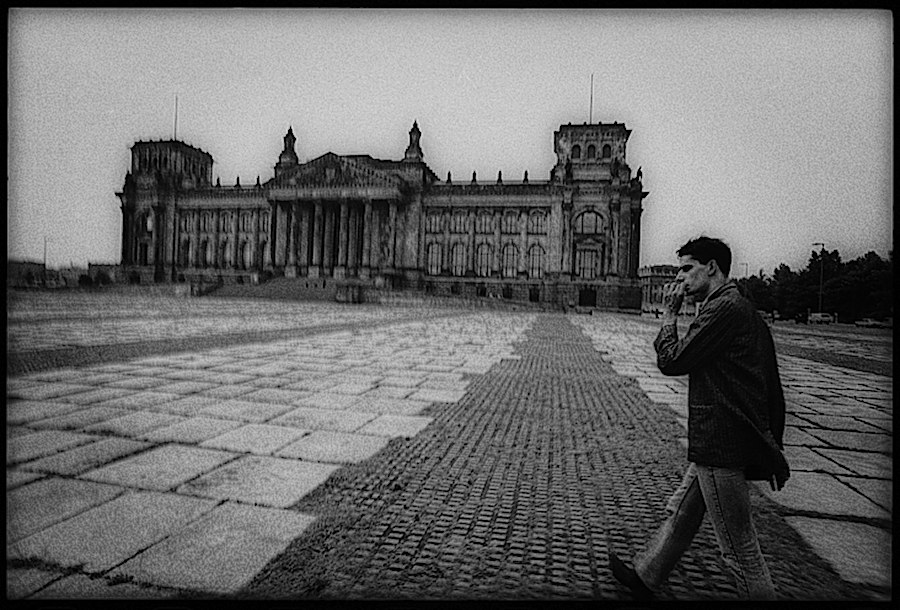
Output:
x=787 y=292
x=759 y=290
x=85 y=281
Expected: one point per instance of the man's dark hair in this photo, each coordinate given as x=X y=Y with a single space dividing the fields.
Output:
x=705 y=249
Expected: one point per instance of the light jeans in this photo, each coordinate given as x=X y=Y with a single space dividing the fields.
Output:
x=724 y=494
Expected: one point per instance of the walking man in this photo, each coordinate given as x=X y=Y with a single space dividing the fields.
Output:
x=736 y=417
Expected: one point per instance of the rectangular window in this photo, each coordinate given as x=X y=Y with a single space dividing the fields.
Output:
x=510 y=261
x=434 y=259
x=586 y=263
x=459 y=223
x=536 y=262
x=459 y=260
x=483 y=261
x=537 y=224
x=510 y=223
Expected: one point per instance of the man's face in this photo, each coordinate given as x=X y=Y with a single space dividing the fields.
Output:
x=695 y=276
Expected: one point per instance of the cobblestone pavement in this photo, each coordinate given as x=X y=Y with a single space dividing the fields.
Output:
x=476 y=455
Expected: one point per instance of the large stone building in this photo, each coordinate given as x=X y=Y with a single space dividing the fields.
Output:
x=354 y=220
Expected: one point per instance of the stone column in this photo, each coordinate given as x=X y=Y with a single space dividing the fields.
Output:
x=470 y=259
x=498 y=244
x=392 y=233
x=367 y=240
x=273 y=218
x=446 y=220
x=523 y=241
x=281 y=235
x=290 y=269
x=216 y=217
x=126 y=236
x=303 y=241
x=614 y=249
x=328 y=251
x=255 y=261
x=353 y=245
x=195 y=231
x=236 y=226
x=340 y=270
x=315 y=269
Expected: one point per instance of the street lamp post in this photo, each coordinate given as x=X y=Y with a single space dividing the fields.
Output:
x=821 y=271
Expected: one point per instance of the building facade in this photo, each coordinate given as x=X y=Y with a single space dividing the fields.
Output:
x=653 y=279
x=572 y=239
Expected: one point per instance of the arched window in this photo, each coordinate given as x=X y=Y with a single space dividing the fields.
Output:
x=458 y=259
x=510 y=261
x=434 y=259
x=591 y=151
x=483 y=258
x=589 y=223
x=264 y=221
x=535 y=262
x=607 y=151
x=576 y=152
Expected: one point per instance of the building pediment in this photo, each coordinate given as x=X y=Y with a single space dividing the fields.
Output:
x=335 y=171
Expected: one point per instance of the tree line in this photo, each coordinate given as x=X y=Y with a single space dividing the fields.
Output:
x=861 y=288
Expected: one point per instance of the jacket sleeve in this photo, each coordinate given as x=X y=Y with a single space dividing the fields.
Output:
x=706 y=337
x=777 y=406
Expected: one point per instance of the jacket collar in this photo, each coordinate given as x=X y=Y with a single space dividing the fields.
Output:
x=728 y=285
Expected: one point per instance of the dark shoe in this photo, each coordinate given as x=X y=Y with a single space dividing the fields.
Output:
x=628 y=577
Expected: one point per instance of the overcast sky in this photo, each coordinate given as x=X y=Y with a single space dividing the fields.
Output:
x=770 y=129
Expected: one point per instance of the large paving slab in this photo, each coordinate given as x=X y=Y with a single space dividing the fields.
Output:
x=24 y=411
x=46 y=442
x=859 y=552
x=86 y=457
x=335 y=447
x=244 y=410
x=219 y=552
x=325 y=419
x=101 y=538
x=134 y=424
x=190 y=431
x=160 y=469
x=38 y=505
x=78 y=420
x=261 y=439
x=865 y=463
x=396 y=425
x=265 y=481
x=84 y=587
x=823 y=493
x=879 y=491
x=22 y=582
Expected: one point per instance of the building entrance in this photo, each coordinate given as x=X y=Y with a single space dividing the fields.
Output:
x=587 y=297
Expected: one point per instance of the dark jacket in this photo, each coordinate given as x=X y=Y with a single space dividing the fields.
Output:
x=736 y=406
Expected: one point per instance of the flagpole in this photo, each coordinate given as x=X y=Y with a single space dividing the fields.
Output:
x=591 y=116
